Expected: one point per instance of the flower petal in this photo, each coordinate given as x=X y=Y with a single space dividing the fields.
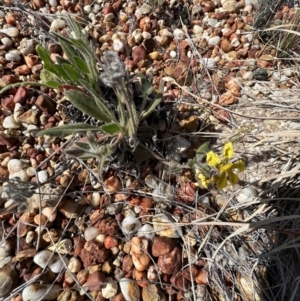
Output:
x=222 y=182
x=212 y=159
x=233 y=178
x=202 y=179
x=240 y=165
x=227 y=151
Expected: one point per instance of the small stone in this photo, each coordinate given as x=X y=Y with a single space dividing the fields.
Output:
x=248 y=75
x=31 y=60
x=146 y=231
x=110 y=290
x=130 y=225
x=50 y=213
x=53 y=3
x=152 y=293
x=63 y=247
x=12 y=56
x=260 y=74
x=118 y=45
x=212 y=22
x=42 y=176
x=14 y=165
x=22 y=70
x=191 y=124
x=173 y=54
x=69 y=210
x=74 y=265
x=90 y=233
x=130 y=289
x=180 y=145
x=57 y=24
x=235 y=42
x=45 y=104
x=12 y=32
x=163 y=226
x=9 y=122
x=108 y=18
x=208 y=62
x=95 y=281
x=171 y=262
x=214 y=41
x=154 y=55
x=197 y=30
x=113 y=184
x=27 y=46
x=139 y=53
x=162 y=245
x=229 y=5
x=144 y=9
x=29 y=117
x=2 y=14
x=178 y=34
x=21 y=95
x=247 y=194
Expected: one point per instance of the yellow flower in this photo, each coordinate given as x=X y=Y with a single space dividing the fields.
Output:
x=226 y=175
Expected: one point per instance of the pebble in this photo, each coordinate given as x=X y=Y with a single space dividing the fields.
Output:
x=246 y=194
x=6 y=41
x=163 y=226
x=42 y=176
x=50 y=213
x=110 y=290
x=74 y=265
x=173 y=54
x=212 y=22
x=22 y=175
x=9 y=122
x=235 y=42
x=130 y=225
x=144 y=9
x=146 y=231
x=42 y=258
x=208 y=62
x=178 y=34
x=118 y=45
x=12 y=32
x=90 y=233
x=14 y=165
x=58 y=263
x=180 y=144
x=198 y=30
x=53 y=3
x=2 y=14
x=57 y=24
x=12 y=56
x=129 y=289
x=38 y=291
x=214 y=41
x=248 y=75
x=27 y=46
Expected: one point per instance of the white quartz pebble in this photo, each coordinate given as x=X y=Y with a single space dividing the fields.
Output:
x=90 y=233
x=9 y=122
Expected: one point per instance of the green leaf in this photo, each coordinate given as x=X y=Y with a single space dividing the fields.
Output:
x=106 y=151
x=69 y=129
x=110 y=128
x=88 y=105
x=44 y=56
x=73 y=73
x=47 y=76
x=83 y=145
x=203 y=149
x=60 y=72
x=144 y=114
x=81 y=65
x=61 y=60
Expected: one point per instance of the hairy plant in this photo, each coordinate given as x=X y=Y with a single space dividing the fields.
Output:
x=265 y=12
x=78 y=78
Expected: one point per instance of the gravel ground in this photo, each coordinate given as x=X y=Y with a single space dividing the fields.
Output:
x=143 y=233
